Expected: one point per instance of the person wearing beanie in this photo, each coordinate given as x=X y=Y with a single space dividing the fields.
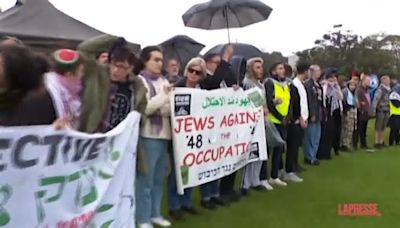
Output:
x=64 y=84
x=333 y=107
x=251 y=172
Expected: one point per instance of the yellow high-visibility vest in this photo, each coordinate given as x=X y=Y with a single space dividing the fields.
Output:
x=282 y=92
x=394 y=110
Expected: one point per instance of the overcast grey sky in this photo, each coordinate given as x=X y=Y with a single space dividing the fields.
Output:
x=293 y=25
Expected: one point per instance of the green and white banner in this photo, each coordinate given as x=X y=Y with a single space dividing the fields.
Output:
x=215 y=133
x=51 y=178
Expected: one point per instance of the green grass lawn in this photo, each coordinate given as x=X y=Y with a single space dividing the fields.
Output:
x=357 y=177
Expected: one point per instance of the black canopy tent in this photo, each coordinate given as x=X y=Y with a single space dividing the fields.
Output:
x=43 y=27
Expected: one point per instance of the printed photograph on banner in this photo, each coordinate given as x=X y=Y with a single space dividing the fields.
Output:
x=223 y=133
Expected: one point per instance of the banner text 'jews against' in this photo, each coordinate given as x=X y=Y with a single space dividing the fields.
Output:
x=215 y=133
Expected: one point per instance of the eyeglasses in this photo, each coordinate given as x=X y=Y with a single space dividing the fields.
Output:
x=120 y=66
x=196 y=72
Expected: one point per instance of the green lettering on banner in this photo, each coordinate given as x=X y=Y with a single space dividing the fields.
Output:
x=185 y=174
x=61 y=182
x=5 y=194
x=256 y=98
x=223 y=101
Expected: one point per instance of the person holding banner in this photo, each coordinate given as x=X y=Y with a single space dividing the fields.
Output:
x=251 y=172
x=278 y=100
x=65 y=84
x=195 y=71
x=23 y=99
x=110 y=91
x=219 y=75
x=155 y=136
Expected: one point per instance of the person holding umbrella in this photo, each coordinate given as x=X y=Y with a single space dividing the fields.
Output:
x=219 y=75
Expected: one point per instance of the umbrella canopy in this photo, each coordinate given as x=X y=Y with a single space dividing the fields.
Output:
x=219 y=14
x=247 y=51
x=182 y=48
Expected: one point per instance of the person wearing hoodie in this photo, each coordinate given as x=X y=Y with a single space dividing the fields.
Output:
x=380 y=109
x=394 y=121
x=278 y=100
x=251 y=172
x=349 y=118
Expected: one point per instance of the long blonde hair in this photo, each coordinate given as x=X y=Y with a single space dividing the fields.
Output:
x=196 y=61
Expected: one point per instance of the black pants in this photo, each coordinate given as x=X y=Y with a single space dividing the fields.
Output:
x=294 y=141
x=330 y=136
x=362 y=125
x=264 y=171
x=337 y=130
x=394 y=123
x=227 y=184
x=277 y=153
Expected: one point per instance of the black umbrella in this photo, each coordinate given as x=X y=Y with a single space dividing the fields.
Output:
x=219 y=14
x=245 y=50
x=182 y=48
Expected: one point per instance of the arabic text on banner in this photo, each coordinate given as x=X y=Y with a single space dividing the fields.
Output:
x=215 y=133
x=52 y=178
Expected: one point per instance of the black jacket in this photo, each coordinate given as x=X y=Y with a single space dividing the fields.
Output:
x=314 y=104
x=223 y=73
x=294 y=108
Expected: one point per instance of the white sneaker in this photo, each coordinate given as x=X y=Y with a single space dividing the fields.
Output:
x=277 y=181
x=281 y=173
x=160 y=221
x=293 y=178
x=267 y=185
x=145 y=225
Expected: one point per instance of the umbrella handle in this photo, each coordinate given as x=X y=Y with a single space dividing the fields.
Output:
x=225 y=14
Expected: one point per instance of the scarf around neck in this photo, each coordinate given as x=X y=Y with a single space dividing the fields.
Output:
x=156 y=120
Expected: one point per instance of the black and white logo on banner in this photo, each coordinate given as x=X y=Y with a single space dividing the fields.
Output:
x=254 y=151
x=182 y=104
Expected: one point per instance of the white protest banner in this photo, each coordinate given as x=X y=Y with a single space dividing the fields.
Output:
x=65 y=178
x=215 y=133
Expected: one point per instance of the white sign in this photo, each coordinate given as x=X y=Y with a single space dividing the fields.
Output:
x=215 y=133
x=52 y=178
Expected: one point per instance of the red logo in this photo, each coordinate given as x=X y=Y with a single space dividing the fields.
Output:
x=358 y=209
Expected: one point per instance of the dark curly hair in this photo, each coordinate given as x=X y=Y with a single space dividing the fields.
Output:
x=20 y=70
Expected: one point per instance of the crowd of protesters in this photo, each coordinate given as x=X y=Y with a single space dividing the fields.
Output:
x=94 y=88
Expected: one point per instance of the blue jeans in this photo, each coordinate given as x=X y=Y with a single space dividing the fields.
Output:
x=149 y=185
x=176 y=201
x=311 y=141
x=209 y=190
